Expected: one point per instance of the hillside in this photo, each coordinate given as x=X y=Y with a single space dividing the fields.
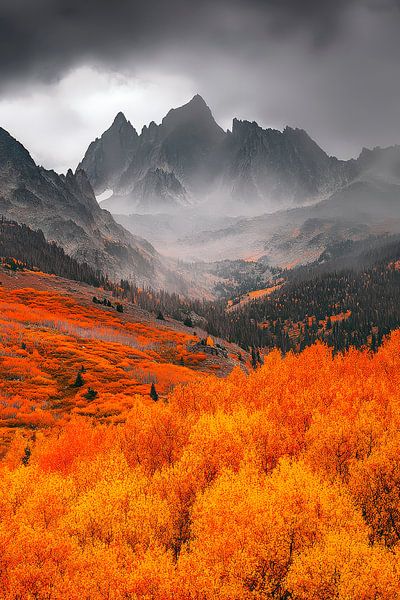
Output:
x=20 y=244
x=64 y=207
x=280 y=484
x=51 y=331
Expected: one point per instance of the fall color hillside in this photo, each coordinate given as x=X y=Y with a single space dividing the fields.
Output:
x=281 y=484
x=219 y=481
x=62 y=355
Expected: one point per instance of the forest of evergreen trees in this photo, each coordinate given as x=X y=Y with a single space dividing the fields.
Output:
x=348 y=299
x=354 y=306
x=20 y=243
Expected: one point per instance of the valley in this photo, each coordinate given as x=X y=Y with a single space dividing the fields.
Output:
x=199 y=300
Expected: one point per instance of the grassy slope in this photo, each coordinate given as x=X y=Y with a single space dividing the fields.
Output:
x=50 y=329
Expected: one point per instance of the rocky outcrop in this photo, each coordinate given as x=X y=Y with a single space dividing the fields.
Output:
x=64 y=207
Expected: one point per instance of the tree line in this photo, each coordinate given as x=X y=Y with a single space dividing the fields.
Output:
x=355 y=305
x=19 y=242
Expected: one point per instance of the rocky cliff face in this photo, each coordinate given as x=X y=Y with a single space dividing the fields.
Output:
x=108 y=156
x=65 y=209
x=257 y=169
x=285 y=168
x=173 y=159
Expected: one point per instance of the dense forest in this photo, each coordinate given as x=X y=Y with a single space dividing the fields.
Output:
x=353 y=306
x=347 y=298
x=20 y=246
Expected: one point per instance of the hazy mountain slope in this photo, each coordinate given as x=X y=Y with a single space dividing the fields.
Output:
x=269 y=168
x=158 y=190
x=21 y=246
x=301 y=234
x=66 y=210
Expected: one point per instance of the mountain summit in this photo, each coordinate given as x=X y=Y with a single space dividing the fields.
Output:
x=248 y=169
x=195 y=116
x=108 y=156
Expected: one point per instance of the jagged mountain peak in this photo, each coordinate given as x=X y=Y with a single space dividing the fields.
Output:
x=120 y=118
x=108 y=156
x=12 y=150
x=380 y=163
x=296 y=131
x=121 y=123
x=194 y=113
x=199 y=101
x=243 y=127
x=269 y=167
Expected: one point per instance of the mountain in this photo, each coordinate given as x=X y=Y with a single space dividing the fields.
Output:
x=108 y=156
x=159 y=169
x=245 y=170
x=64 y=207
x=157 y=190
x=279 y=168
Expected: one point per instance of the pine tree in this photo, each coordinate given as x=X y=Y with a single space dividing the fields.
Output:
x=91 y=394
x=26 y=457
x=79 y=381
x=153 y=393
x=253 y=358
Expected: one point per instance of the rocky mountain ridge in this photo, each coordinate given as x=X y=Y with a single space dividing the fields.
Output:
x=249 y=169
x=64 y=207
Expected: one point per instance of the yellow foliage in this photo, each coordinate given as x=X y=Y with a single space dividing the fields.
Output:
x=280 y=484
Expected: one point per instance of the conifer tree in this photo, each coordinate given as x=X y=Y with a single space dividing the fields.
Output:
x=91 y=394
x=153 y=393
x=79 y=381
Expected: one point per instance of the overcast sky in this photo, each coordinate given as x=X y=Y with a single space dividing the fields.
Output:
x=67 y=67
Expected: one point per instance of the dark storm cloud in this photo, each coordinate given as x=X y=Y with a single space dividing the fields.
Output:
x=329 y=66
x=42 y=38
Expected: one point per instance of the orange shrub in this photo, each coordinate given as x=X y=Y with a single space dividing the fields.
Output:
x=283 y=483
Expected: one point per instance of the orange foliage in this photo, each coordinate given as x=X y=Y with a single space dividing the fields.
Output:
x=279 y=484
x=254 y=295
x=47 y=338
